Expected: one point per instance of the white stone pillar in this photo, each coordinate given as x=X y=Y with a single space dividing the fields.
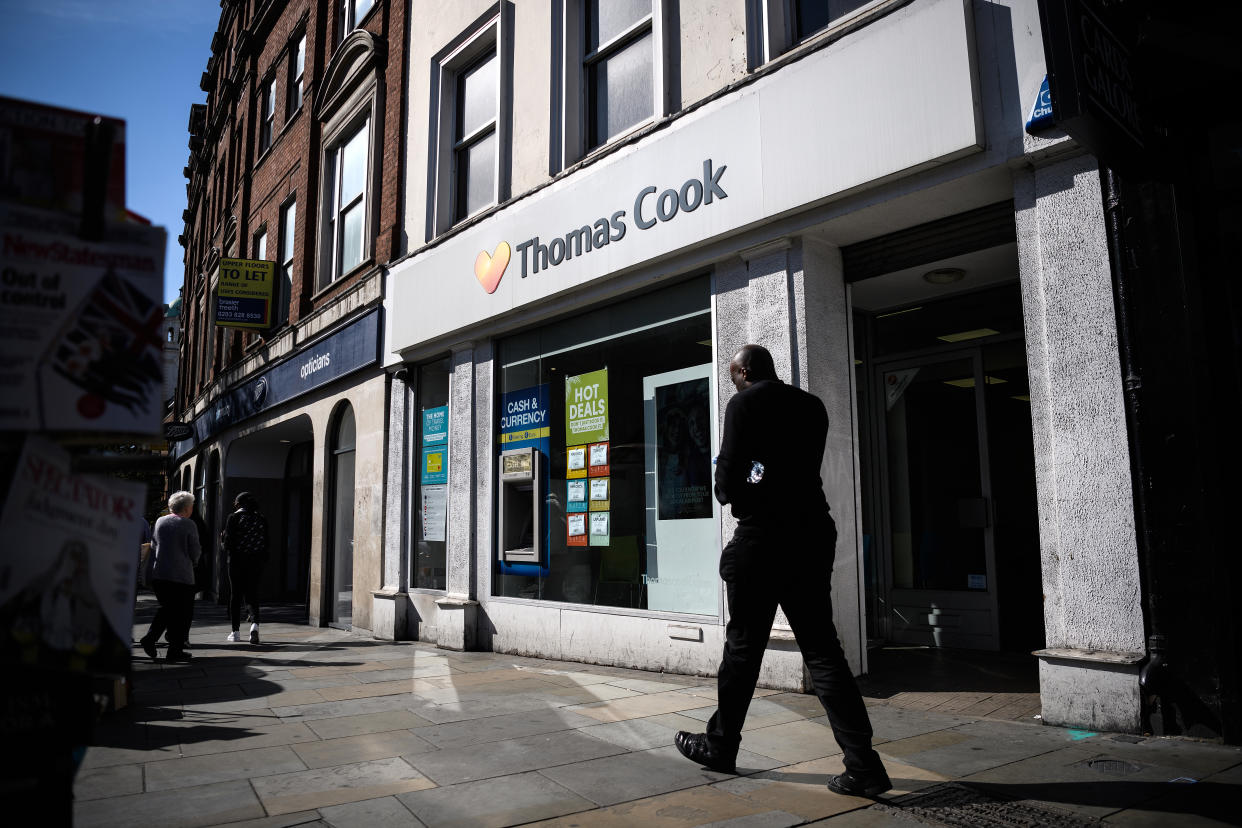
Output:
x=1092 y=592
x=458 y=609
x=391 y=602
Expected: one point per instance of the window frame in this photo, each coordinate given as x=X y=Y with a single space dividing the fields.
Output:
x=575 y=125
x=267 y=114
x=258 y=243
x=352 y=92
x=491 y=35
x=286 y=238
x=295 y=91
x=331 y=238
x=348 y=17
x=776 y=33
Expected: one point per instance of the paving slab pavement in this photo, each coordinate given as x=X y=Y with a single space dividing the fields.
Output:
x=316 y=727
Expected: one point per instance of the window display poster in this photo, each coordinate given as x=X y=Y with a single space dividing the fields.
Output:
x=586 y=408
x=434 y=469
x=435 y=425
x=435 y=512
x=575 y=462
x=597 y=460
x=600 y=529
x=524 y=418
x=599 y=494
x=683 y=450
x=576 y=529
x=575 y=496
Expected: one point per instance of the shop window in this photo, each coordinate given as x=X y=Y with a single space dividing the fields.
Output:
x=606 y=434
x=297 y=74
x=614 y=71
x=431 y=481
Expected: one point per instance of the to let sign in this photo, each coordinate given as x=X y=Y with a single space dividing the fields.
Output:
x=244 y=293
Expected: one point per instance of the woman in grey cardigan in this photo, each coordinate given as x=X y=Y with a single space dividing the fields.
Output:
x=175 y=548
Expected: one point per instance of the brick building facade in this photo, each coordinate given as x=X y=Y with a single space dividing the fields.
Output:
x=293 y=160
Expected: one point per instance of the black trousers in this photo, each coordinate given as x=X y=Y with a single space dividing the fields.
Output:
x=175 y=613
x=760 y=573
x=244 y=580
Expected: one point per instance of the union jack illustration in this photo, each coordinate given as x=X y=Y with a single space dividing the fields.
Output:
x=113 y=347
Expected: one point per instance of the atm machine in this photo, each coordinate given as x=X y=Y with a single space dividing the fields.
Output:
x=522 y=503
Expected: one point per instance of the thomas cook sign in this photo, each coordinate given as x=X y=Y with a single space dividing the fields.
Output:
x=244 y=293
x=650 y=207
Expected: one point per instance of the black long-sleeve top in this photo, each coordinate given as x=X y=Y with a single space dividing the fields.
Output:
x=785 y=429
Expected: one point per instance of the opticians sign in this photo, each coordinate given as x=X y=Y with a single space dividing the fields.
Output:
x=648 y=210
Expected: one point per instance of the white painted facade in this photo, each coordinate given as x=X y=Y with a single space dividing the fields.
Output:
x=900 y=114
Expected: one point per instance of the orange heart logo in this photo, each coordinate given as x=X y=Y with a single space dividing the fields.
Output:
x=489 y=269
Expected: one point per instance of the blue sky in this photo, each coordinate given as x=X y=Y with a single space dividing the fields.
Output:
x=139 y=60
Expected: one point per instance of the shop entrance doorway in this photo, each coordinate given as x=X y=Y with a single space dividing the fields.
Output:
x=274 y=464
x=951 y=541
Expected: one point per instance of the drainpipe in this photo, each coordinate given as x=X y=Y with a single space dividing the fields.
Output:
x=1153 y=675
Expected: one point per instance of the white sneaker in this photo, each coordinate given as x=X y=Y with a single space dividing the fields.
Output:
x=254 y=633
x=233 y=636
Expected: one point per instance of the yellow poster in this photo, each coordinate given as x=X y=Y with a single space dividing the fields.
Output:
x=244 y=293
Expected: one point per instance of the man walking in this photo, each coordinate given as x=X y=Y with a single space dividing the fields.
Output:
x=781 y=554
x=245 y=542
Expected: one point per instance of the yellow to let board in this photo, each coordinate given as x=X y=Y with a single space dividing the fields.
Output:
x=244 y=291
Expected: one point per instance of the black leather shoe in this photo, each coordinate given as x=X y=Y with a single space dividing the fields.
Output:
x=696 y=748
x=148 y=647
x=181 y=657
x=869 y=785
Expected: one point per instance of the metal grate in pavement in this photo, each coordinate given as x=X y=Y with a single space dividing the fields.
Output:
x=956 y=805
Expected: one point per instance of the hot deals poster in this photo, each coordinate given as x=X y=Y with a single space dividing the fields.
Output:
x=586 y=423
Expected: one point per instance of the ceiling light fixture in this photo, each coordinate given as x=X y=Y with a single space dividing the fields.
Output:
x=944 y=275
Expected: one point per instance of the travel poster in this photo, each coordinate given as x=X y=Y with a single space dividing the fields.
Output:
x=434 y=511
x=599 y=494
x=575 y=462
x=600 y=529
x=576 y=529
x=597 y=460
x=575 y=496
x=683 y=451
x=586 y=408
x=435 y=424
x=434 y=468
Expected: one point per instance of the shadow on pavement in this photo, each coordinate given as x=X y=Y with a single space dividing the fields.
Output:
x=896 y=669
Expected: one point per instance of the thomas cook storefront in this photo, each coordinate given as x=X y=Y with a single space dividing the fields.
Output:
x=560 y=369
